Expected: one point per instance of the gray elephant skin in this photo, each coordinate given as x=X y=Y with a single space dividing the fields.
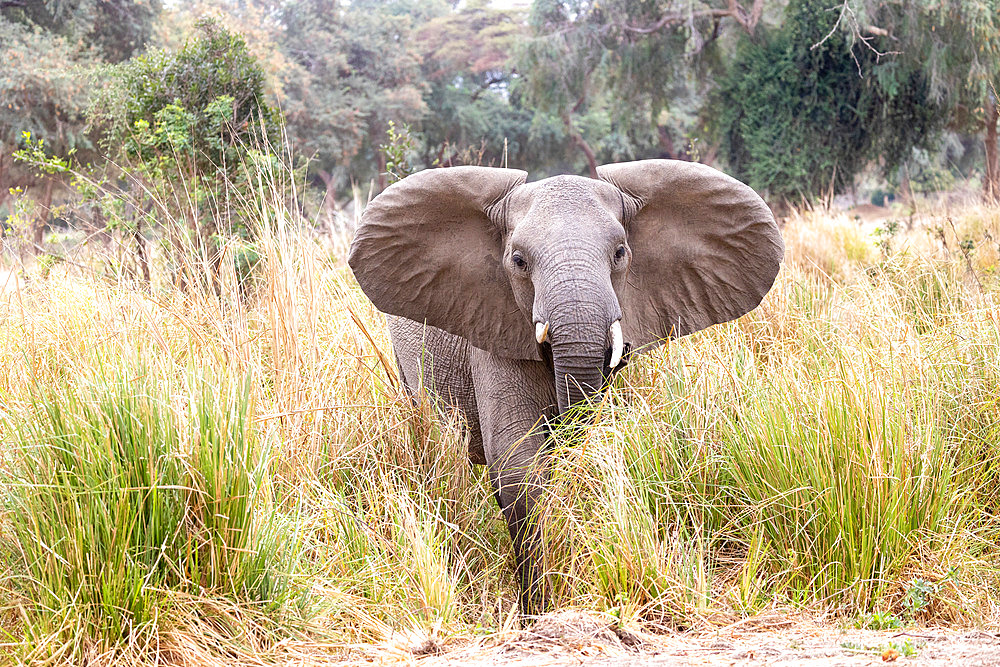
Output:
x=513 y=301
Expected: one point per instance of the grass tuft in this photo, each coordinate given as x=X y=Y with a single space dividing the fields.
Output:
x=119 y=493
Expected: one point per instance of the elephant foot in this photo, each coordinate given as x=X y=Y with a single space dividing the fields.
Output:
x=532 y=599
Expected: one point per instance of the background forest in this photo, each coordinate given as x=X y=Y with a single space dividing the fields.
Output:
x=206 y=455
x=801 y=99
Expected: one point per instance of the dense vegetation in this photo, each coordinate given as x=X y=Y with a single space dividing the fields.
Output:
x=224 y=472
x=798 y=98
x=205 y=453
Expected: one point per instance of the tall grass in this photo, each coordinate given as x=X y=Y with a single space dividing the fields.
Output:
x=118 y=495
x=233 y=470
x=825 y=451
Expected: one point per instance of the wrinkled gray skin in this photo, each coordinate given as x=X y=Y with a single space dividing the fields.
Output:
x=467 y=261
x=502 y=400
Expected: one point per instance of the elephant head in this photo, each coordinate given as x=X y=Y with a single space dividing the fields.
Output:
x=649 y=251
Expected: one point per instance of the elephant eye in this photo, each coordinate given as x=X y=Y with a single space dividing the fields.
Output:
x=620 y=252
x=518 y=260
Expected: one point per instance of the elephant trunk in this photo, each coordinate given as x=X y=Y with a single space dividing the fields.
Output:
x=576 y=380
x=581 y=335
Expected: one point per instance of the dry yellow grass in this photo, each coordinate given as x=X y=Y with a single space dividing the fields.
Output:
x=881 y=360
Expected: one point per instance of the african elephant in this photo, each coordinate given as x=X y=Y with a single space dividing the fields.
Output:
x=513 y=301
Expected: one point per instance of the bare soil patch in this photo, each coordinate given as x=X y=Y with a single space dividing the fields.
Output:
x=571 y=638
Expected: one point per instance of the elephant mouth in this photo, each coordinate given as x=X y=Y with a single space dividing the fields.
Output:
x=545 y=353
x=581 y=363
x=607 y=371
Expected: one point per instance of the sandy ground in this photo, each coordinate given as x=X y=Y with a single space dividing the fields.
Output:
x=574 y=639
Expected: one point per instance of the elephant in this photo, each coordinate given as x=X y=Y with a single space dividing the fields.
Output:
x=515 y=301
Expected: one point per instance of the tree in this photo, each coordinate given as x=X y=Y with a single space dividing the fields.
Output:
x=188 y=123
x=383 y=74
x=561 y=61
x=43 y=92
x=213 y=65
x=956 y=45
x=117 y=29
x=625 y=59
x=801 y=112
x=356 y=68
x=467 y=58
x=49 y=51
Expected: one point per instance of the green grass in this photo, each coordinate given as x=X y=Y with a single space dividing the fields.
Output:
x=118 y=495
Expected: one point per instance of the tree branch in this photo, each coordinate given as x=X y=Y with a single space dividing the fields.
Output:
x=847 y=14
x=496 y=78
x=756 y=12
x=582 y=144
x=747 y=19
x=668 y=19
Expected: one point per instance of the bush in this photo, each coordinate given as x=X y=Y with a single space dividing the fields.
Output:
x=205 y=102
x=186 y=126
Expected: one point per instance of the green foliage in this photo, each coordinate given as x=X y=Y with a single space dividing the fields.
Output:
x=34 y=152
x=185 y=126
x=205 y=103
x=400 y=144
x=49 y=50
x=118 y=500
x=878 y=620
x=116 y=28
x=621 y=79
x=955 y=44
x=43 y=92
x=480 y=113
x=800 y=112
x=624 y=76
x=353 y=70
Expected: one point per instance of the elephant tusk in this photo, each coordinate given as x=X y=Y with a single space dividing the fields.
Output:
x=541 y=332
x=617 y=344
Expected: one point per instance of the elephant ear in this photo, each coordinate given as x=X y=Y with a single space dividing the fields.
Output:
x=705 y=248
x=429 y=249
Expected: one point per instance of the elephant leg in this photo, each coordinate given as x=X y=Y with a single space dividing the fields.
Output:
x=513 y=397
x=436 y=362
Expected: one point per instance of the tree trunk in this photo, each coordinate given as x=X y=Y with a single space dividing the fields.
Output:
x=140 y=251
x=42 y=219
x=905 y=188
x=582 y=144
x=4 y=191
x=383 y=177
x=991 y=181
x=667 y=144
x=589 y=152
x=98 y=230
x=330 y=186
x=906 y=195
x=4 y=188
